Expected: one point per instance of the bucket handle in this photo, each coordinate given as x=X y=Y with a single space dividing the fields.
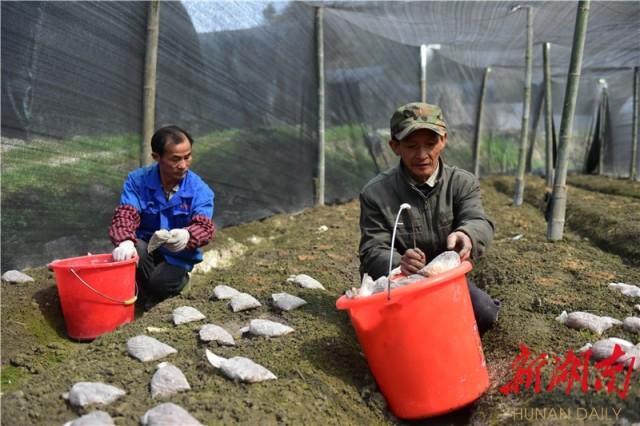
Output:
x=122 y=302
x=403 y=206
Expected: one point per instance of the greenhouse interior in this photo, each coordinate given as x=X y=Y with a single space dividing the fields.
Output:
x=288 y=104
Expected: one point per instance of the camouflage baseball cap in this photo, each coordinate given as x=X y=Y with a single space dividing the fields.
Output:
x=414 y=116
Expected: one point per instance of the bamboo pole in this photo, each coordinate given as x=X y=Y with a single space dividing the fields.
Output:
x=476 y=144
x=149 y=94
x=633 y=171
x=423 y=73
x=603 y=126
x=538 y=107
x=548 y=116
x=319 y=187
x=555 y=226
x=526 y=111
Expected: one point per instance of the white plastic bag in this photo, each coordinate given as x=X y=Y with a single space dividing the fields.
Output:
x=87 y=393
x=211 y=332
x=224 y=292
x=147 y=348
x=185 y=314
x=243 y=301
x=305 y=281
x=287 y=302
x=579 y=320
x=441 y=263
x=168 y=413
x=94 y=418
x=261 y=327
x=168 y=380
x=240 y=368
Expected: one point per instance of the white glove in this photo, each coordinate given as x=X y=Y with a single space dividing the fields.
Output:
x=125 y=250
x=178 y=240
x=157 y=239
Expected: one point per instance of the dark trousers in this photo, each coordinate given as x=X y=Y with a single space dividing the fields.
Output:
x=156 y=278
x=485 y=308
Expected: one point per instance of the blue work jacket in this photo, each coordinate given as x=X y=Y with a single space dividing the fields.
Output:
x=143 y=190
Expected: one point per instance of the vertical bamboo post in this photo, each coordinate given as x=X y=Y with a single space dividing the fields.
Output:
x=548 y=116
x=476 y=143
x=149 y=94
x=526 y=111
x=426 y=50
x=555 y=226
x=423 y=73
x=633 y=172
x=603 y=125
x=319 y=187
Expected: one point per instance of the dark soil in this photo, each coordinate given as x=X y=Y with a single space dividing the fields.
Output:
x=322 y=375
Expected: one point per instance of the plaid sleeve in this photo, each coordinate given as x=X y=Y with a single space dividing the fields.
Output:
x=201 y=231
x=124 y=223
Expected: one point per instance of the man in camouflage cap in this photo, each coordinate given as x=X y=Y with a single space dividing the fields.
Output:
x=446 y=209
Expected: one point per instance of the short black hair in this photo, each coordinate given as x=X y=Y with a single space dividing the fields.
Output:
x=168 y=133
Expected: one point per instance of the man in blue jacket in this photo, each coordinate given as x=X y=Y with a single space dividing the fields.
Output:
x=165 y=214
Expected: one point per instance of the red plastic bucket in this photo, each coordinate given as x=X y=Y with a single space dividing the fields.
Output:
x=97 y=294
x=422 y=345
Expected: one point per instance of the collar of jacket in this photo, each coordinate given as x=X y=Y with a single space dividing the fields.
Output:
x=154 y=183
x=404 y=176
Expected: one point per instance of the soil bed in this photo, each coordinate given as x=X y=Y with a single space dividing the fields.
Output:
x=606 y=185
x=611 y=221
x=322 y=376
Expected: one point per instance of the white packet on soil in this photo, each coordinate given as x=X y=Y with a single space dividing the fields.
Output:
x=240 y=368
x=287 y=302
x=586 y=320
x=94 y=418
x=305 y=281
x=185 y=314
x=211 y=332
x=632 y=324
x=168 y=380
x=146 y=348
x=87 y=393
x=224 y=292
x=626 y=289
x=604 y=349
x=261 y=327
x=243 y=301
x=167 y=414
x=14 y=277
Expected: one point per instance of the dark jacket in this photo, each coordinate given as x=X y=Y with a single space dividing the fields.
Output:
x=453 y=204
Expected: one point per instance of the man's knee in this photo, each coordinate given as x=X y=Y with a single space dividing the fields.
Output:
x=165 y=283
x=485 y=308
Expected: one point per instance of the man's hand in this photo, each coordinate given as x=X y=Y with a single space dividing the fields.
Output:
x=125 y=250
x=412 y=261
x=157 y=239
x=178 y=239
x=461 y=243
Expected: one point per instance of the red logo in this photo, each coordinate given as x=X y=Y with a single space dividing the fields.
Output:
x=572 y=370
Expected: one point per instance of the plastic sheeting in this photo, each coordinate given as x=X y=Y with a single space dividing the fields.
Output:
x=242 y=78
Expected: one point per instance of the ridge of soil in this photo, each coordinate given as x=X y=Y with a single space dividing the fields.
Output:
x=322 y=375
x=610 y=221
x=606 y=185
